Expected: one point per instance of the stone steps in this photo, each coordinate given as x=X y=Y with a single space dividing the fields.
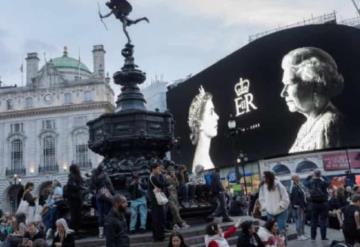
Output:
x=194 y=236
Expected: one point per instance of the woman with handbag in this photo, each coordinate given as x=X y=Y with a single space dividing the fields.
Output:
x=158 y=199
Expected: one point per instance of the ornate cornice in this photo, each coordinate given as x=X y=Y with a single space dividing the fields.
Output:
x=58 y=109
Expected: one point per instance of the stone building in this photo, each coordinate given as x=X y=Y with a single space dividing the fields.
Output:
x=43 y=124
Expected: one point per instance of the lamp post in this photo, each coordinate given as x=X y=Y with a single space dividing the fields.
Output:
x=242 y=159
x=14 y=180
x=233 y=133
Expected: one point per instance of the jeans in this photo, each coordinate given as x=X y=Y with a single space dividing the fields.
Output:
x=102 y=209
x=221 y=209
x=138 y=206
x=49 y=218
x=280 y=219
x=299 y=217
x=319 y=214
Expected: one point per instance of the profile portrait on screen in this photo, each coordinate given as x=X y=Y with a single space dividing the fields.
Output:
x=203 y=124
x=310 y=80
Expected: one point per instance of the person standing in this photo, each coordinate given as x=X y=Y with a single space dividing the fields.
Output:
x=350 y=221
x=138 y=205
x=217 y=189
x=157 y=182
x=115 y=223
x=274 y=199
x=31 y=200
x=298 y=203
x=73 y=194
x=317 y=186
x=174 y=205
x=102 y=185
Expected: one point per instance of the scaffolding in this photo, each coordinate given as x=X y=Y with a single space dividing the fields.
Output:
x=353 y=22
x=326 y=18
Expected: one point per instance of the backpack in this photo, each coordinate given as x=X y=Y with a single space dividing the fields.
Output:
x=208 y=178
x=317 y=193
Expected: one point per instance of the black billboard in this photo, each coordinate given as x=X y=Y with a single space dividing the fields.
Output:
x=293 y=91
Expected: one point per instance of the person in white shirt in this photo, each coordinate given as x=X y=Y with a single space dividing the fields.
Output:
x=274 y=199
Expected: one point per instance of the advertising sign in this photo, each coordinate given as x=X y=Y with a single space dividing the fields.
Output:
x=289 y=92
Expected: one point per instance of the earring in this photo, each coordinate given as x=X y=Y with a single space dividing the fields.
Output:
x=316 y=100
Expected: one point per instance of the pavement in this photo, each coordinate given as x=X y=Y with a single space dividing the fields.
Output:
x=332 y=234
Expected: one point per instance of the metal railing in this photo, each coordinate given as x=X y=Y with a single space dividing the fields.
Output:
x=48 y=169
x=351 y=22
x=326 y=18
x=17 y=171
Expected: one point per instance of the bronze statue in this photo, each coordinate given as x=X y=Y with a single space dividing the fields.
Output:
x=121 y=9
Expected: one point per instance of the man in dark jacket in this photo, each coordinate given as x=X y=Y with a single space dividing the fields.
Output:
x=218 y=191
x=317 y=186
x=116 y=231
x=298 y=203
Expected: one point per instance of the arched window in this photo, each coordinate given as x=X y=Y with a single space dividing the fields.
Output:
x=49 y=152
x=17 y=154
x=81 y=150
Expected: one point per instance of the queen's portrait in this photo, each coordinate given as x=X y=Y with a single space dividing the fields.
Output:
x=310 y=80
x=203 y=124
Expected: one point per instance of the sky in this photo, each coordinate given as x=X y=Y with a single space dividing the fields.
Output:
x=183 y=37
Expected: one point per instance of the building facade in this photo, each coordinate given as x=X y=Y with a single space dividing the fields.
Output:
x=43 y=124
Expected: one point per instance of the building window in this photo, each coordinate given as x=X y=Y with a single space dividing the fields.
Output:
x=82 y=151
x=48 y=124
x=88 y=96
x=16 y=128
x=67 y=98
x=9 y=104
x=49 y=151
x=16 y=154
x=28 y=102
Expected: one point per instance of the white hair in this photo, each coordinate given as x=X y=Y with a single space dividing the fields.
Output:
x=314 y=66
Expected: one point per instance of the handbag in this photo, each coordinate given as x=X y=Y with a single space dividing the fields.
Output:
x=105 y=194
x=160 y=196
x=23 y=207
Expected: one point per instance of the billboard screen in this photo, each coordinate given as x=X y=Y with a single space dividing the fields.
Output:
x=293 y=91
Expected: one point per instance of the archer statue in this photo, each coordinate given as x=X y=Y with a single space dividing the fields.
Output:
x=121 y=9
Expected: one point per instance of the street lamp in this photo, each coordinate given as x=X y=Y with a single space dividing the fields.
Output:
x=14 y=180
x=233 y=133
x=242 y=159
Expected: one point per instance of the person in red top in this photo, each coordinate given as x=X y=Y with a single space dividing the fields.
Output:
x=215 y=237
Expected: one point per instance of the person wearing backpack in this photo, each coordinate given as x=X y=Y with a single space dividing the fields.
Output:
x=317 y=186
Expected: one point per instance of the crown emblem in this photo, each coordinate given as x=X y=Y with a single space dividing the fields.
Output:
x=242 y=87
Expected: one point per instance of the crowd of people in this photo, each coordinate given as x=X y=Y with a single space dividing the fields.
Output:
x=312 y=200
x=154 y=203
x=42 y=221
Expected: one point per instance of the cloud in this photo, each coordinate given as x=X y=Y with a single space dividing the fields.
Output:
x=38 y=46
x=250 y=12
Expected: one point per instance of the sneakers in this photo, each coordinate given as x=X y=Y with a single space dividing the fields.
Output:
x=302 y=237
x=176 y=227
x=101 y=232
x=185 y=226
